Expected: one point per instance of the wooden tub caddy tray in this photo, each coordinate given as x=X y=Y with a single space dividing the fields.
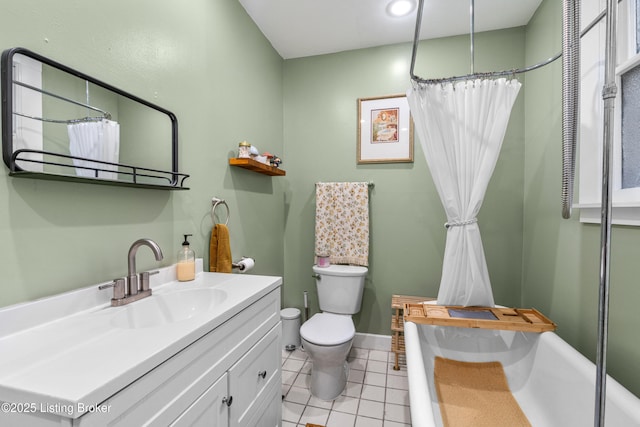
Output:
x=513 y=319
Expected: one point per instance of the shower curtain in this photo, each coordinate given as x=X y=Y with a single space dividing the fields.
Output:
x=461 y=127
x=97 y=140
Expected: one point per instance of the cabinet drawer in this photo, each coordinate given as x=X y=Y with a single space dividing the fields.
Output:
x=250 y=376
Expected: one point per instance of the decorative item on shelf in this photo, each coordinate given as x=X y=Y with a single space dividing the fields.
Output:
x=268 y=156
x=275 y=161
x=254 y=152
x=262 y=159
x=243 y=150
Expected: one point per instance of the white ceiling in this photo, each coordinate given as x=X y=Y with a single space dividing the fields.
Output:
x=298 y=28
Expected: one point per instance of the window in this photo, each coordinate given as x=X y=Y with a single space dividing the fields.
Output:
x=626 y=145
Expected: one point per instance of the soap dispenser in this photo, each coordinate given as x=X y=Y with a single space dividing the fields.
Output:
x=186 y=268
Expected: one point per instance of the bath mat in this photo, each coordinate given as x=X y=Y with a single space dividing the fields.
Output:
x=476 y=395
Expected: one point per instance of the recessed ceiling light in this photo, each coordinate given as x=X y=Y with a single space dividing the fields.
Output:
x=400 y=7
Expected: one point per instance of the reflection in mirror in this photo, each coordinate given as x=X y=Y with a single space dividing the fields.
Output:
x=61 y=124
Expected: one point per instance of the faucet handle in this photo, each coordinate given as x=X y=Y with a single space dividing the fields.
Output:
x=118 y=286
x=144 y=279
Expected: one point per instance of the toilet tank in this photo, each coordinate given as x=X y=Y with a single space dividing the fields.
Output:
x=340 y=288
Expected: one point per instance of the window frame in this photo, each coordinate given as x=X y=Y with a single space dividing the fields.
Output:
x=625 y=202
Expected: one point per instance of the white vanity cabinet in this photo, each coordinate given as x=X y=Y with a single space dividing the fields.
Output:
x=212 y=382
x=228 y=376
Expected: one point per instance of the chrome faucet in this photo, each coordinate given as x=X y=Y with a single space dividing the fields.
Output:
x=128 y=290
x=132 y=277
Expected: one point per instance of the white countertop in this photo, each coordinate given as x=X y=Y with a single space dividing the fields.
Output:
x=52 y=356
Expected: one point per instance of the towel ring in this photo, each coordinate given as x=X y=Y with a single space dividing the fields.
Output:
x=215 y=202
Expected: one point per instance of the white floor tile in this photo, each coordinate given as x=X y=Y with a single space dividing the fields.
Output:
x=367 y=422
x=401 y=372
x=298 y=354
x=314 y=415
x=377 y=366
x=398 y=382
x=375 y=395
x=353 y=389
x=379 y=355
x=346 y=404
x=398 y=397
x=293 y=365
x=398 y=413
x=292 y=411
x=298 y=395
x=372 y=392
x=374 y=378
x=359 y=364
x=340 y=419
x=371 y=409
x=358 y=353
x=355 y=376
x=319 y=403
x=288 y=377
x=302 y=380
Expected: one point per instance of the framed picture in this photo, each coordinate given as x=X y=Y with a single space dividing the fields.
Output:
x=385 y=130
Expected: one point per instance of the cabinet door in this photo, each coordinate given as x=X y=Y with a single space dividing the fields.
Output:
x=250 y=377
x=209 y=410
x=269 y=414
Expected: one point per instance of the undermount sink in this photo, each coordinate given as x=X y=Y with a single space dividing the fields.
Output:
x=173 y=307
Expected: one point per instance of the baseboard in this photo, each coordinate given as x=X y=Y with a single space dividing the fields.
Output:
x=372 y=341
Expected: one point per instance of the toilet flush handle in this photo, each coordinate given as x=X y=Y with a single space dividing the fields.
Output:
x=316 y=276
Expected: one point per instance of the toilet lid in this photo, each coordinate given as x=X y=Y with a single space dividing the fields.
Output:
x=328 y=329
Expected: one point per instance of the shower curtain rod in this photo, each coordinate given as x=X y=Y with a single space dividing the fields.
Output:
x=416 y=40
x=105 y=114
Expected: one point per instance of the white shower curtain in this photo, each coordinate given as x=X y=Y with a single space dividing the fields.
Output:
x=99 y=140
x=461 y=127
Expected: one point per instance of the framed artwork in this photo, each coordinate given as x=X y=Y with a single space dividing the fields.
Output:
x=385 y=130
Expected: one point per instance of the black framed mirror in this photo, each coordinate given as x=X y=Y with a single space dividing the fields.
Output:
x=61 y=124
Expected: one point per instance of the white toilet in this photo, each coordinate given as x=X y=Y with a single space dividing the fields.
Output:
x=327 y=336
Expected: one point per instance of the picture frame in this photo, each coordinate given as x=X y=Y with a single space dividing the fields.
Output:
x=385 y=130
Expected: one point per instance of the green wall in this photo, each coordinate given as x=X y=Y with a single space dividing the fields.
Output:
x=560 y=273
x=206 y=62
x=210 y=65
x=407 y=234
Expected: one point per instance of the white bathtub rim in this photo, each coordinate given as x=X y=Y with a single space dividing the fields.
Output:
x=419 y=395
x=423 y=415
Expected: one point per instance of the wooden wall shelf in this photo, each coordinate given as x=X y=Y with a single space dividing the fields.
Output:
x=256 y=166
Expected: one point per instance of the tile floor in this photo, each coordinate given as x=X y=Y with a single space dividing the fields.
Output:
x=375 y=396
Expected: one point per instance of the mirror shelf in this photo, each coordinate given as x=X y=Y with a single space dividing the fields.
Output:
x=166 y=180
x=63 y=125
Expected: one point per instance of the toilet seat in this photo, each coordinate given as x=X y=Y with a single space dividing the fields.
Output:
x=328 y=329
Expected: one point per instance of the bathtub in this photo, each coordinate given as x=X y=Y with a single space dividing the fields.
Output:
x=552 y=382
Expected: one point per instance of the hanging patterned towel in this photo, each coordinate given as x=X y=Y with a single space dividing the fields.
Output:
x=342 y=222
